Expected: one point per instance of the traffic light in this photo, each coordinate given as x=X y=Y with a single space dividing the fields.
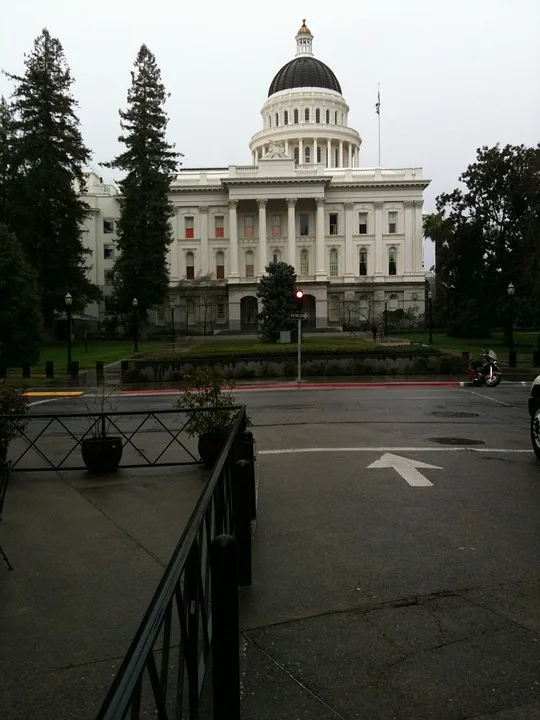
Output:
x=299 y=297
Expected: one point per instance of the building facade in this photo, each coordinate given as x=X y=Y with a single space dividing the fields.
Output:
x=353 y=235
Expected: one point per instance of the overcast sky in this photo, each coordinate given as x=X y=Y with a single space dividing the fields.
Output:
x=454 y=74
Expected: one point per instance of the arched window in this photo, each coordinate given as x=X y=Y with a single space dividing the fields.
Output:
x=363 y=308
x=317 y=115
x=306 y=115
x=327 y=117
x=334 y=265
x=393 y=303
x=250 y=267
x=296 y=155
x=269 y=121
x=335 y=118
x=307 y=154
x=277 y=119
x=220 y=265
x=304 y=261
x=392 y=261
x=363 y=261
x=336 y=157
x=276 y=256
x=318 y=153
x=296 y=116
x=286 y=117
x=190 y=265
x=333 y=308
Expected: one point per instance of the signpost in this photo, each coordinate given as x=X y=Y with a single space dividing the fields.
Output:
x=299 y=317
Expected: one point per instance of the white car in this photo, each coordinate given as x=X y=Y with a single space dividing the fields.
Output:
x=534 y=412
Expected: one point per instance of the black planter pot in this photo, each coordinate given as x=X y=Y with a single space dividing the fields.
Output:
x=102 y=455
x=210 y=445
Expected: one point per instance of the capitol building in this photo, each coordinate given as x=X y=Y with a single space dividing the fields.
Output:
x=353 y=234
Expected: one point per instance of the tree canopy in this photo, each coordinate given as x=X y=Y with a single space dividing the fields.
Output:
x=276 y=291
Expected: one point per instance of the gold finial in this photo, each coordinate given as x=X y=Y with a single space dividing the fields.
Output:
x=304 y=30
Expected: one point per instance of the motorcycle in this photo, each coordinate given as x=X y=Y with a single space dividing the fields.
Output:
x=486 y=372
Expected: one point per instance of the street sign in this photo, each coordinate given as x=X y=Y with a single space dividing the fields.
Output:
x=299 y=316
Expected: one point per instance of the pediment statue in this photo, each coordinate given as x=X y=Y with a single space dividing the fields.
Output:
x=275 y=150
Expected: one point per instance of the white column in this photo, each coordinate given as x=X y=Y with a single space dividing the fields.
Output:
x=262 y=236
x=349 y=252
x=314 y=151
x=379 y=254
x=350 y=153
x=291 y=231
x=320 y=265
x=203 y=214
x=417 y=236
x=328 y=153
x=286 y=147
x=233 y=239
x=300 y=152
x=409 y=241
x=341 y=153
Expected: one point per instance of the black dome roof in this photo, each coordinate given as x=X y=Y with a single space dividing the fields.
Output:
x=304 y=72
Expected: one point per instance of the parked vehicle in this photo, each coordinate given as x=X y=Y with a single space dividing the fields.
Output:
x=486 y=371
x=534 y=412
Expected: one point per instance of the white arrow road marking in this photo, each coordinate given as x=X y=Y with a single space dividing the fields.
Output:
x=405 y=467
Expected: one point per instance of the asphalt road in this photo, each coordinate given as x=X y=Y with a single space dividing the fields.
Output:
x=396 y=557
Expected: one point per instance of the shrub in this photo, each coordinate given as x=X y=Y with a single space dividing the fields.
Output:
x=12 y=402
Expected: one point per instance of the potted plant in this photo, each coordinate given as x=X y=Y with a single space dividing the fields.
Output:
x=101 y=452
x=208 y=394
x=12 y=402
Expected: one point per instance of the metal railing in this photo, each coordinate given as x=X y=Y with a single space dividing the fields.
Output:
x=164 y=670
x=53 y=439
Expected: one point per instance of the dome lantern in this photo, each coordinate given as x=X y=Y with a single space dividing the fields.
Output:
x=304 y=41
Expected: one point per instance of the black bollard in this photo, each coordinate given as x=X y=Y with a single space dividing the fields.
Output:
x=225 y=628
x=74 y=369
x=100 y=372
x=512 y=358
x=241 y=483
x=26 y=370
x=49 y=369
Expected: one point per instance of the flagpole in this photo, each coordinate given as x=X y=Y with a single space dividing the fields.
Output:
x=379 y=118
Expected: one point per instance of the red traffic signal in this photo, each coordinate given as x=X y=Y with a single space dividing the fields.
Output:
x=299 y=294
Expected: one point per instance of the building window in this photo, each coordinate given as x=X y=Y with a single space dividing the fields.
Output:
x=392 y=261
x=363 y=261
x=108 y=251
x=296 y=117
x=335 y=118
x=108 y=226
x=109 y=276
x=392 y=222
x=276 y=225
x=333 y=223
x=306 y=115
x=393 y=303
x=363 y=308
x=277 y=119
x=190 y=265
x=248 y=225
x=336 y=157
x=304 y=224
x=296 y=155
x=333 y=308
x=220 y=311
x=276 y=256
x=307 y=155
x=250 y=267
x=362 y=223
x=190 y=311
x=318 y=153
x=269 y=121
x=286 y=117
x=317 y=115
x=328 y=117
x=219 y=221
x=304 y=262
x=334 y=268
x=189 y=227
x=220 y=264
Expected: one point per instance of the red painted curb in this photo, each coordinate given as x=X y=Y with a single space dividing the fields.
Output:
x=312 y=386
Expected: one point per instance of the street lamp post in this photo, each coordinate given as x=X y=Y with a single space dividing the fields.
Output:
x=68 y=300
x=172 y=326
x=511 y=352
x=135 y=303
x=430 y=317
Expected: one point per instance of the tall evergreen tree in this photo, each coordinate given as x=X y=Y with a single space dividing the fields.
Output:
x=6 y=158
x=49 y=157
x=144 y=229
x=276 y=291
x=20 y=317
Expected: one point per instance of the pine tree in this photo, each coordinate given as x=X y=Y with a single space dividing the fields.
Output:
x=49 y=157
x=6 y=158
x=144 y=229
x=20 y=317
x=276 y=290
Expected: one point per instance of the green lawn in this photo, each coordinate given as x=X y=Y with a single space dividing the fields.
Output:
x=523 y=342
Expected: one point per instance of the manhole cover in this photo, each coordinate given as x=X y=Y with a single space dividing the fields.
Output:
x=443 y=413
x=456 y=441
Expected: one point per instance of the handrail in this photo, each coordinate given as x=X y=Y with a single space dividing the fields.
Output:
x=126 y=687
